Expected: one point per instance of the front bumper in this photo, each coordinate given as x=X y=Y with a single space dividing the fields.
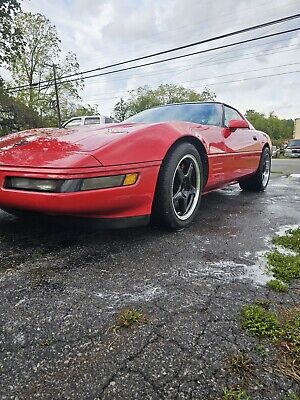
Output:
x=117 y=202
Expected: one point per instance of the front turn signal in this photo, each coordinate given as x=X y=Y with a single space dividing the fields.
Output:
x=130 y=179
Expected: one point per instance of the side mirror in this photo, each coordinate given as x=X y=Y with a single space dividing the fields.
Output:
x=234 y=124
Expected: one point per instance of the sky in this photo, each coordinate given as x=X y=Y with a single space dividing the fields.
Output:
x=102 y=32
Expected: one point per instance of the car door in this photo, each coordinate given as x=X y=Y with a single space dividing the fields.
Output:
x=242 y=147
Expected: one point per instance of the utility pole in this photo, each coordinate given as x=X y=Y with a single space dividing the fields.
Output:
x=56 y=95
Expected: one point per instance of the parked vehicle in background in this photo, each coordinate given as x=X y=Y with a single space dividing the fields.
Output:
x=275 y=151
x=88 y=120
x=293 y=148
x=297 y=128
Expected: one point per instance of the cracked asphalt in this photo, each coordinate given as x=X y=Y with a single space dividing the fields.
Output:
x=62 y=284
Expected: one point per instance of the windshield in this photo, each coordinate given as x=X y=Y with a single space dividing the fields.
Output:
x=294 y=143
x=198 y=113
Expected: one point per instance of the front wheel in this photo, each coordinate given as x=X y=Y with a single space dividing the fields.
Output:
x=179 y=187
x=259 y=181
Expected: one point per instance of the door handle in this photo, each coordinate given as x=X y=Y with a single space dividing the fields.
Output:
x=254 y=138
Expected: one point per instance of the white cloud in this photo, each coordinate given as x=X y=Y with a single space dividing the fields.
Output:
x=102 y=32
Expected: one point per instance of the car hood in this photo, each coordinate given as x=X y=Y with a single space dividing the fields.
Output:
x=58 y=147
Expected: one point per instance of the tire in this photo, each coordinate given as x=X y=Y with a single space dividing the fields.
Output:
x=259 y=181
x=179 y=187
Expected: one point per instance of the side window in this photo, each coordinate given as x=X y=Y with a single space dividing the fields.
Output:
x=230 y=113
x=91 y=120
x=73 y=122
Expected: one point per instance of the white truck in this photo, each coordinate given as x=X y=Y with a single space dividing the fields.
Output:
x=297 y=128
x=88 y=120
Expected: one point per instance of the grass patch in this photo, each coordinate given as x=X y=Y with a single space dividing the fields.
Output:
x=129 y=317
x=259 y=321
x=234 y=394
x=283 y=330
x=277 y=285
x=261 y=350
x=240 y=364
x=291 y=396
x=284 y=267
x=290 y=241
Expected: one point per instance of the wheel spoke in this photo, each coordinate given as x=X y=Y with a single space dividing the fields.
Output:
x=192 y=190
x=190 y=171
x=180 y=174
x=177 y=196
x=183 y=203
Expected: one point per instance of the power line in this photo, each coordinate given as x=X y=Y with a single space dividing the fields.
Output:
x=211 y=77
x=216 y=62
x=218 y=83
x=181 y=56
x=223 y=36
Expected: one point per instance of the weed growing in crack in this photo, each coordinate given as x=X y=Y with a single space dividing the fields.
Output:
x=129 y=317
x=277 y=286
x=261 y=350
x=234 y=394
x=240 y=364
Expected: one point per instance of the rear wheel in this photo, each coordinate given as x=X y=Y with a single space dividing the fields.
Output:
x=179 y=187
x=259 y=181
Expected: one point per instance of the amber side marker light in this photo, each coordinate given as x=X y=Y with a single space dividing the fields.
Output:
x=130 y=179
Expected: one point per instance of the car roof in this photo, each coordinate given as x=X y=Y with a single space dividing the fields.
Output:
x=196 y=102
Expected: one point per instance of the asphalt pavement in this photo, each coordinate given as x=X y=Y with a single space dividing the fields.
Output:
x=286 y=165
x=63 y=283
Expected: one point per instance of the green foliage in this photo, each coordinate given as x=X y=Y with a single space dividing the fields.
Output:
x=284 y=267
x=290 y=241
x=291 y=396
x=144 y=97
x=240 y=363
x=34 y=63
x=278 y=129
x=129 y=317
x=290 y=333
x=15 y=116
x=9 y=34
x=259 y=321
x=277 y=286
x=261 y=350
x=283 y=330
x=234 y=394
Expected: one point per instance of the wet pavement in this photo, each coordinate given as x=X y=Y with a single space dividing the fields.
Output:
x=62 y=284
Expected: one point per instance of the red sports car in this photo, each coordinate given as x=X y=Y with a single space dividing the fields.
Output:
x=156 y=165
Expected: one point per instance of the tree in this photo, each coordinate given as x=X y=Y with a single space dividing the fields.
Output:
x=14 y=115
x=9 y=35
x=121 y=110
x=144 y=97
x=278 y=129
x=33 y=62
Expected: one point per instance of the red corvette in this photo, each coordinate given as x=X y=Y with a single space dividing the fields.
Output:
x=156 y=164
